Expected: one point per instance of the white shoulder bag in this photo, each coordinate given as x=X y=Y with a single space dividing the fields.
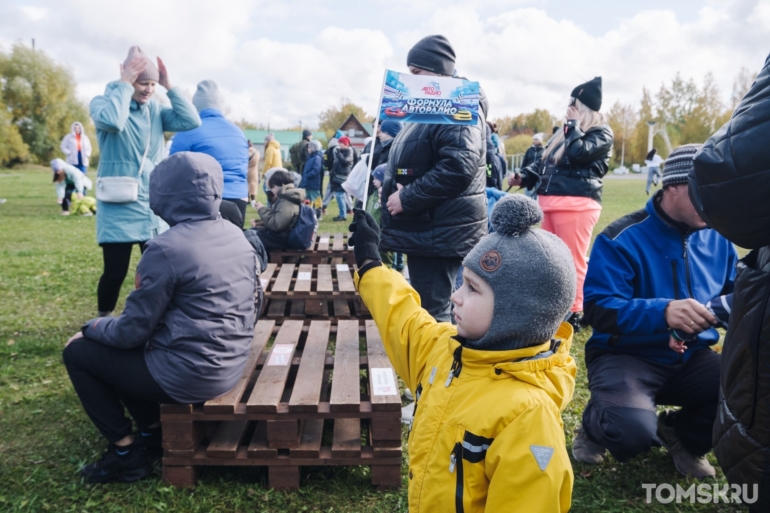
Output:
x=122 y=189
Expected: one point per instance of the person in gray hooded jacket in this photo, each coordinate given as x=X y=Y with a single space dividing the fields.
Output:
x=186 y=330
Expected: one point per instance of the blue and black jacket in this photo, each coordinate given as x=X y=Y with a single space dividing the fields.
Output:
x=639 y=264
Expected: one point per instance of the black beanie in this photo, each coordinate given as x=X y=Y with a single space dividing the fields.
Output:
x=433 y=53
x=590 y=93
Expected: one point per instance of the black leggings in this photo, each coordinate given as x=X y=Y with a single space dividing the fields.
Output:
x=241 y=204
x=117 y=257
x=106 y=379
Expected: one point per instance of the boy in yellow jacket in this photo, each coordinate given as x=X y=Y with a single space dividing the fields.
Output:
x=487 y=432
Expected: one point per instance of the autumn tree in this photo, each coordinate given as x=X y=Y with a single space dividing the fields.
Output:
x=622 y=119
x=39 y=96
x=333 y=117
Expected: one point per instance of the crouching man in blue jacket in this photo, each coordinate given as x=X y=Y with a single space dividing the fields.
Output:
x=650 y=273
x=185 y=332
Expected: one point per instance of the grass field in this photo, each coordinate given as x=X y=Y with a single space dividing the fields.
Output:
x=49 y=266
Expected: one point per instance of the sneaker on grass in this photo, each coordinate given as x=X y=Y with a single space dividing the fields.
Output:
x=115 y=467
x=687 y=464
x=586 y=450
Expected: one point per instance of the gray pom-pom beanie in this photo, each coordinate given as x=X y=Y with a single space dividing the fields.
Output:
x=531 y=273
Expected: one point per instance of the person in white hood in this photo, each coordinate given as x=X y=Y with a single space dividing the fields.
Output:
x=76 y=147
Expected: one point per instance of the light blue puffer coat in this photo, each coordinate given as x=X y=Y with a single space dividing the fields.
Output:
x=123 y=128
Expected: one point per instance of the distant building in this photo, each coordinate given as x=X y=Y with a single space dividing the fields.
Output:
x=287 y=138
x=356 y=131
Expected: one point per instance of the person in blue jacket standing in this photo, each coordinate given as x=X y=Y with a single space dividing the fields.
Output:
x=651 y=273
x=129 y=127
x=222 y=140
x=312 y=176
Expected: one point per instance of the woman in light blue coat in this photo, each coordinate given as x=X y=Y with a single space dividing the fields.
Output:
x=129 y=127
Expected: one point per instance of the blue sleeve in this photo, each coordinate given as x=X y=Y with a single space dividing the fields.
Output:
x=110 y=111
x=610 y=305
x=181 y=116
x=181 y=142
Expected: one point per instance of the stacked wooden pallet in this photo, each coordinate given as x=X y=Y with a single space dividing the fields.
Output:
x=326 y=248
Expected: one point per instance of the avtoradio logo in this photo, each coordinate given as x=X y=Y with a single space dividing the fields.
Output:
x=432 y=89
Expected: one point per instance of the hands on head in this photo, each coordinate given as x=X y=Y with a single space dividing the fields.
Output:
x=137 y=66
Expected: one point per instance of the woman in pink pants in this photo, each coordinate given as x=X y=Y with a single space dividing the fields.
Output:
x=568 y=178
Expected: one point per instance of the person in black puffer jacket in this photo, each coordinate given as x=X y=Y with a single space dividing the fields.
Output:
x=568 y=179
x=730 y=187
x=434 y=201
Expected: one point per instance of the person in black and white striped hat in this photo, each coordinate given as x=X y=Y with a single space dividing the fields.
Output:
x=678 y=164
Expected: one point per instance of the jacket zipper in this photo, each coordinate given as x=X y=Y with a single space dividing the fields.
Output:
x=456 y=461
x=687 y=267
x=755 y=343
x=457 y=366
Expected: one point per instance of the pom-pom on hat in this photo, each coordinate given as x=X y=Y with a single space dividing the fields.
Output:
x=679 y=164
x=531 y=273
x=590 y=93
x=150 y=71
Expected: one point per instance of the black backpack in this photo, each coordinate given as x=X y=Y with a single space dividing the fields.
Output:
x=302 y=235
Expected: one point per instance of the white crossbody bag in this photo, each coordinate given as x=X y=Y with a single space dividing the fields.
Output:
x=122 y=189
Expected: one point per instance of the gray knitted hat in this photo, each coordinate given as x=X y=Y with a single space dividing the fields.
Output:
x=531 y=273
x=207 y=96
x=151 y=71
x=679 y=164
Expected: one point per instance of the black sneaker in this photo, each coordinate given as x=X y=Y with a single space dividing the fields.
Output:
x=151 y=442
x=340 y=218
x=114 y=468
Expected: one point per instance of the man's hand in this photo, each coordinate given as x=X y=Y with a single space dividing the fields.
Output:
x=676 y=345
x=689 y=316
x=365 y=237
x=514 y=180
x=130 y=73
x=76 y=336
x=394 y=201
x=163 y=75
x=258 y=205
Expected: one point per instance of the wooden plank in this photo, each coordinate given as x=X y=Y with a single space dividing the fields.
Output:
x=297 y=308
x=324 y=283
x=323 y=242
x=382 y=399
x=386 y=430
x=283 y=478
x=307 y=386
x=227 y=439
x=341 y=309
x=347 y=437
x=339 y=242
x=310 y=442
x=283 y=280
x=269 y=386
x=226 y=403
x=316 y=307
x=324 y=459
x=258 y=447
x=346 y=395
x=180 y=477
x=304 y=278
x=267 y=275
x=276 y=308
x=345 y=278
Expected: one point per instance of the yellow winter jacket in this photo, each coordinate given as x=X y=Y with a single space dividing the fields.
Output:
x=272 y=156
x=487 y=432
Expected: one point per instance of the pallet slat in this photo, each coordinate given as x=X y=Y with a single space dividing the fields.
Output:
x=271 y=381
x=307 y=387
x=346 y=395
x=378 y=368
x=227 y=439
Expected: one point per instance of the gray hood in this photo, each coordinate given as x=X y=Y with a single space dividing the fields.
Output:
x=186 y=187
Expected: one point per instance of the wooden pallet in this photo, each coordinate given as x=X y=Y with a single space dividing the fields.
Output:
x=325 y=248
x=289 y=400
x=307 y=291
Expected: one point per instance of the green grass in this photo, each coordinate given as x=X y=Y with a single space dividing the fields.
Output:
x=49 y=267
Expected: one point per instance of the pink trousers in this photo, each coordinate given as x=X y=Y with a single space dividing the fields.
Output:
x=575 y=229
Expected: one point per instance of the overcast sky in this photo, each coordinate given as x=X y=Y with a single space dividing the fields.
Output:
x=291 y=59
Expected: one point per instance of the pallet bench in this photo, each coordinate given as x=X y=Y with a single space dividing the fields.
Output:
x=311 y=291
x=325 y=248
x=298 y=403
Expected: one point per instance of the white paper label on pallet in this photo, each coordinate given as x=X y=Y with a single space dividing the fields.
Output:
x=343 y=268
x=324 y=240
x=383 y=382
x=281 y=354
x=304 y=276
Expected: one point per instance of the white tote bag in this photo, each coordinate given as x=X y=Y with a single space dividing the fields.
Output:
x=122 y=189
x=355 y=184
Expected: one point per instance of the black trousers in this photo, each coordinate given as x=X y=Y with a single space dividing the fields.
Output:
x=273 y=240
x=117 y=257
x=434 y=279
x=241 y=204
x=625 y=391
x=65 y=203
x=106 y=379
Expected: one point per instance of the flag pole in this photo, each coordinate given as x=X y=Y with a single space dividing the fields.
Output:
x=374 y=141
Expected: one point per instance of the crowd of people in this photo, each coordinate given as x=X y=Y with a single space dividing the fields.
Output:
x=482 y=329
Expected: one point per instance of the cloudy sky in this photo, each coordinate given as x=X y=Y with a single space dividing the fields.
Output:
x=290 y=59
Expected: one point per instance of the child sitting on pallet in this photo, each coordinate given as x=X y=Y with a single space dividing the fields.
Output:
x=487 y=432
x=185 y=332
